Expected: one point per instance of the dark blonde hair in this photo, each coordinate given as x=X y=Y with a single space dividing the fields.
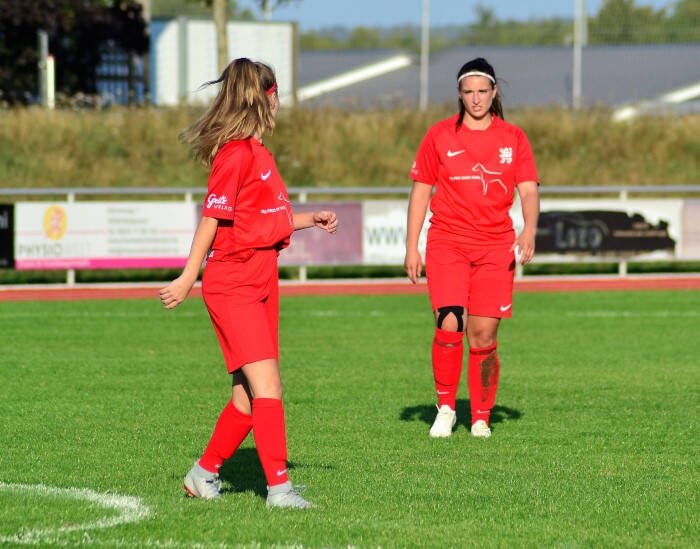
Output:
x=240 y=110
x=480 y=65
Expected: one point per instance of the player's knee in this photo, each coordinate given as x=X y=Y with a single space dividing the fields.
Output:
x=450 y=318
x=481 y=338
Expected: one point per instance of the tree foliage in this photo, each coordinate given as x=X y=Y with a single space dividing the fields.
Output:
x=78 y=30
x=617 y=22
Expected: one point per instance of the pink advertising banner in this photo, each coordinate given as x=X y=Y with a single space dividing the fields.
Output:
x=315 y=247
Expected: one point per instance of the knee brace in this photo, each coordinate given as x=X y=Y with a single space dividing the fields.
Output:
x=452 y=309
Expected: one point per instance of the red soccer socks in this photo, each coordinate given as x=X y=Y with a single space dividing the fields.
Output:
x=482 y=370
x=231 y=429
x=271 y=439
x=447 y=352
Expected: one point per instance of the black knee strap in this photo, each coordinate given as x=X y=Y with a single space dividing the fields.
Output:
x=455 y=310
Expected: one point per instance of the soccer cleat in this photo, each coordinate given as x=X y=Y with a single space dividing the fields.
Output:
x=200 y=483
x=284 y=495
x=481 y=429
x=445 y=420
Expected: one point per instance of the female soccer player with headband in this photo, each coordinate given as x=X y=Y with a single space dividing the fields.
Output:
x=474 y=162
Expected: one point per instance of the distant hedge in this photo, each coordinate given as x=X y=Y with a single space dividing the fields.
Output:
x=139 y=147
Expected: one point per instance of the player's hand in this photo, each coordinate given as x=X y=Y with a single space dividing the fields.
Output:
x=413 y=265
x=327 y=221
x=524 y=250
x=175 y=293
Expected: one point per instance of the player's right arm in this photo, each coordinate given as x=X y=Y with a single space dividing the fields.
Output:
x=417 y=209
x=177 y=291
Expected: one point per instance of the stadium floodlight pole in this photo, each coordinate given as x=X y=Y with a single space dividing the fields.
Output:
x=579 y=26
x=424 y=50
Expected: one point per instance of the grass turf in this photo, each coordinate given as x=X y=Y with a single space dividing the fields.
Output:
x=594 y=445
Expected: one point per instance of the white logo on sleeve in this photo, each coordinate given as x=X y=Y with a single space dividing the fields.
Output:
x=265 y=176
x=218 y=203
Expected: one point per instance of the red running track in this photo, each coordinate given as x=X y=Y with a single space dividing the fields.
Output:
x=357 y=287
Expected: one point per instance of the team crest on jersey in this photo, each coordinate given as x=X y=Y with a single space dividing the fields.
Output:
x=506 y=154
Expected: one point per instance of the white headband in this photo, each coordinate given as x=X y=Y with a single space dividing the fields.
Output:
x=476 y=73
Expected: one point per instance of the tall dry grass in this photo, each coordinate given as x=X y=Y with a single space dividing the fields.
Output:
x=124 y=147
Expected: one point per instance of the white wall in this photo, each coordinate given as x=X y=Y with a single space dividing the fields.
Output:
x=183 y=56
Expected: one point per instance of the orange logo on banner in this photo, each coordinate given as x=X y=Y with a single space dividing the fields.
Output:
x=55 y=222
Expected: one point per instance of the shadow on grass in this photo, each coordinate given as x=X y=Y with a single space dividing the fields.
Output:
x=426 y=413
x=243 y=473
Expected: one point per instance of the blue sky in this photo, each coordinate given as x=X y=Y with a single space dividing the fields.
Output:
x=317 y=14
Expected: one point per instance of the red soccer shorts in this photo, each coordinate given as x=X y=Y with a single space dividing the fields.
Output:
x=479 y=280
x=242 y=298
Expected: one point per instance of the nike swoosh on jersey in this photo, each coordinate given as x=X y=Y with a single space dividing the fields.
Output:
x=504 y=308
x=265 y=176
x=450 y=154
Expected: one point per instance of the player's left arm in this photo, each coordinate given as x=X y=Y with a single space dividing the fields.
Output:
x=177 y=291
x=530 y=203
x=326 y=220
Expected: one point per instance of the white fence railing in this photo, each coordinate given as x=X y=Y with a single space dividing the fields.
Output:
x=302 y=193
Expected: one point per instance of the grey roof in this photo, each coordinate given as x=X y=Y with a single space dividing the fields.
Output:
x=530 y=76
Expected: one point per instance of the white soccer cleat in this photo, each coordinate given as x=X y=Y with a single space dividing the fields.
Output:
x=444 y=422
x=285 y=495
x=481 y=429
x=202 y=484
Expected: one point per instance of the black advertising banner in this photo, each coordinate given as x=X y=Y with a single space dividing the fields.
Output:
x=600 y=232
x=7 y=240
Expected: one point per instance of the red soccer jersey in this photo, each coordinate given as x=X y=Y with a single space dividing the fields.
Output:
x=475 y=173
x=248 y=197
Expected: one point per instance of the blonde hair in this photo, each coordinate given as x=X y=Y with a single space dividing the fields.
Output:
x=240 y=110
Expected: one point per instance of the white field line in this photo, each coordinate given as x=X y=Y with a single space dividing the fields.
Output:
x=129 y=509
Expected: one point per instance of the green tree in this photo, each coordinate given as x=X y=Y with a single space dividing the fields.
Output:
x=621 y=22
x=77 y=29
x=684 y=22
x=364 y=38
x=402 y=38
x=314 y=40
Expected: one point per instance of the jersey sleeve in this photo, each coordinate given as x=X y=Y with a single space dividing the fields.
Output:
x=425 y=167
x=229 y=169
x=526 y=168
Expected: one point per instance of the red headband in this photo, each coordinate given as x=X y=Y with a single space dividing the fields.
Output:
x=272 y=89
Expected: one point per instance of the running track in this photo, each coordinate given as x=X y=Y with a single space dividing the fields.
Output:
x=358 y=287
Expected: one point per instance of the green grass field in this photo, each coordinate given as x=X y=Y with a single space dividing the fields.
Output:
x=106 y=404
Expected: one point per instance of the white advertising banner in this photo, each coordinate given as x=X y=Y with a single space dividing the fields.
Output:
x=640 y=228
x=384 y=232
x=120 y=235
x=103 y=235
